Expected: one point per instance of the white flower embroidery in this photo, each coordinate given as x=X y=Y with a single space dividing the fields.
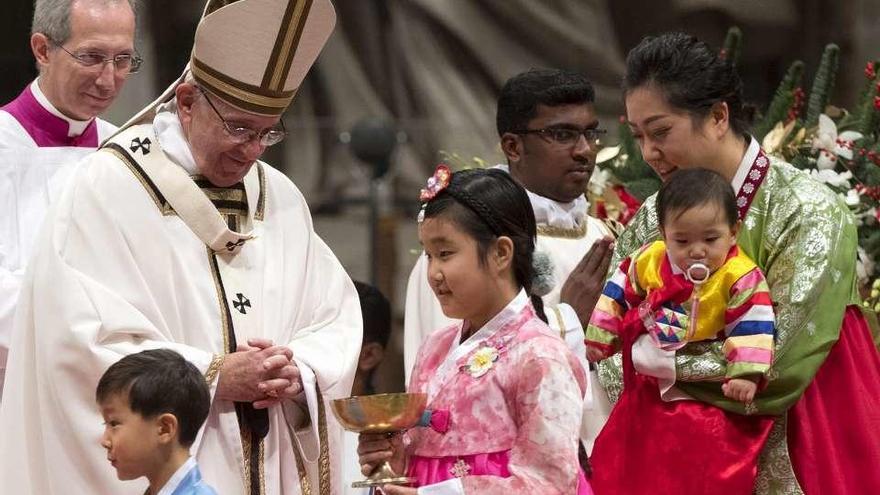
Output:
x=761 y=162
x=482 y=361
x=740 y=201
x=748 y=187
x=754 y=175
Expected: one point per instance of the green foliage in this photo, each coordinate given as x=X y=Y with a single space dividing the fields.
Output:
x=783 y=100
x=868 y=118
x=733 y=45
x=823 y=84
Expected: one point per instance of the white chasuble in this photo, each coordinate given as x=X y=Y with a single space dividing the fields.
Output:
x=133 y=256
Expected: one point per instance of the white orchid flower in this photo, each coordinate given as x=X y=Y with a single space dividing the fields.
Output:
x=853 y=198
x=864 y=265
x=599 y=181
x=830 y=145
x=832 y=178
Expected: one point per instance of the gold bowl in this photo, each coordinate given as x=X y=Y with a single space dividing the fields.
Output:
x=380 y=413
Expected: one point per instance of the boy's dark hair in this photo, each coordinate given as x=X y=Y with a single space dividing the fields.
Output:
x=689 y=188
x=522 y=93
x=376 y=311
x=487 y=204
x=160 y=381
x=690 y=73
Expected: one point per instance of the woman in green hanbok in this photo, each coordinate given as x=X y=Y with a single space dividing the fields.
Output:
x=684 y=106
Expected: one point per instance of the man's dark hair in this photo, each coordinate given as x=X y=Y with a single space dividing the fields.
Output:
x=690 y=188
x=522 y=93
x=160 y=381
x=376 y=311
x=690 y=73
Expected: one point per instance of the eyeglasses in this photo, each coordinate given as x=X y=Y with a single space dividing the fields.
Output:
x=566 y=136
x=124 y=62
x=240 y=134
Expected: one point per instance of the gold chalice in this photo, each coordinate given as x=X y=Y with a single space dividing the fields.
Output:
x=381 y=413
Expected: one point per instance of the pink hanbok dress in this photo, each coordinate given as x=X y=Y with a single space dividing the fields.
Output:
x=503 y=409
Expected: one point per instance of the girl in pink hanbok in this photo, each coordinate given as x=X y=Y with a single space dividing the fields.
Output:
x=504 y=392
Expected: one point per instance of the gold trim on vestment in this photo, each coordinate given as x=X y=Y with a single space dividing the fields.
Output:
x=222 y=194
x=261 y=201
x=214 y=368
x=261 y=461
x=561 y=321
x=324 y=482
x=324 y=456
x=130 y=163
x=246 y=446
x=305 y=486
x=221 y=297
x=559 y=232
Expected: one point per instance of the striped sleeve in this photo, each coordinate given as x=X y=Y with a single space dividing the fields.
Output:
x=749 y=327
x=604 y=327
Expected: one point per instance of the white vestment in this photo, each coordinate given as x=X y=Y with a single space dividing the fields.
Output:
x=135 y=256
x=31 y=177
x=565 y=232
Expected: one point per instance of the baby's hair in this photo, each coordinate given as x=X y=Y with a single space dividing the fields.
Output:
x=487 y=204
x=690 y=188
x=160 y=381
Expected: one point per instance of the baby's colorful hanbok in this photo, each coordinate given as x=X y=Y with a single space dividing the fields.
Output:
x=734 y=307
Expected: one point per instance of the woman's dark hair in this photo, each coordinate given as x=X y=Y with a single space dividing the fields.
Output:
x=690 y=188
x=690 y=73
x=160 y=381
x=487 y=204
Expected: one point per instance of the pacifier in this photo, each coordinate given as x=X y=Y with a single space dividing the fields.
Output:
x=697 y=273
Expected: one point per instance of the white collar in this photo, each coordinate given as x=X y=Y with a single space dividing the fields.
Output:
x=177 y=477
x=513 y=308
x=457 y=351
x=745 y=165
x=75 y=127
x=569 y=215
x=169 y=132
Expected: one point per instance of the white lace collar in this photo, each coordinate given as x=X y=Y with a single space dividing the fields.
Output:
x=552 y=213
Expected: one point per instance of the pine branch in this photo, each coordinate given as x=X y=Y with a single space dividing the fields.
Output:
x=823 y=84
x=732 y=45
x=782 y=101
x=866 y=112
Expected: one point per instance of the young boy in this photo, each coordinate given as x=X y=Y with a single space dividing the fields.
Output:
x=693 y=285
x=154 y=403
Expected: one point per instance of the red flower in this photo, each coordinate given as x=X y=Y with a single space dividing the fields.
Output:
x=436 y=183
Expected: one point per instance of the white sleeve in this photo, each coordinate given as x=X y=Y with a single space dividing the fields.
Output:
x=451 y=486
